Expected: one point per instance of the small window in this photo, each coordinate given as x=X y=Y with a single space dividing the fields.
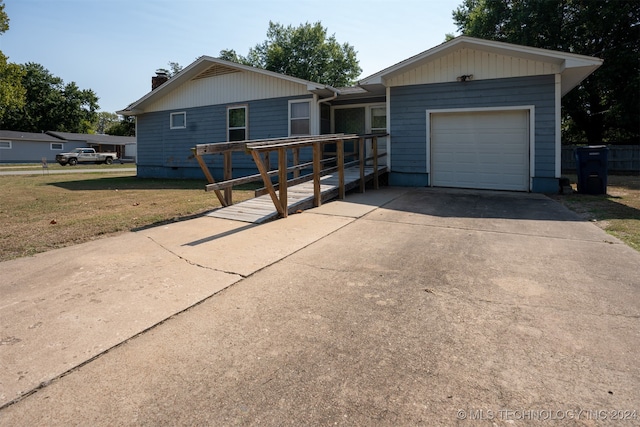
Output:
x=299 y=118
x=178 y=120
x=237 y=123
x=5 y=145
x=379 y=120
x=57 y=146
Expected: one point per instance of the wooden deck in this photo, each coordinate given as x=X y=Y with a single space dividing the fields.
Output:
x=262 y=209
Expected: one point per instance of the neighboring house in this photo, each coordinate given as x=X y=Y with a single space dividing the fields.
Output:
x=125 y=146
x=469 y=113
x=27 y=147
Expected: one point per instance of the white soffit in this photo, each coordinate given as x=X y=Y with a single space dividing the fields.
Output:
x=575 y=68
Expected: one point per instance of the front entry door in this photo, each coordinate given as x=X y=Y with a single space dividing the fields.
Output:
x=363 y=119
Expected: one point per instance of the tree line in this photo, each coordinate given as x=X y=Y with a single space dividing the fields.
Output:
x=605 y=108
x=34 y=100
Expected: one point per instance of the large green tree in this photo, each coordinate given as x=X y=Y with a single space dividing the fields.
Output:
x=306 y=52
x=104 y=120
x=125 y=127
x=12 y=94
x=606 y=106
x=52 y=105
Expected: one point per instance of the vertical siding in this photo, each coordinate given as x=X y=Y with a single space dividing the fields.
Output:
x=481 y=64
x=229 y=88
x=408 y=115
x=165 y=152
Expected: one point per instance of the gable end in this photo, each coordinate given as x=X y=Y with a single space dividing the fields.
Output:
x=479 y=64
x=216 y=70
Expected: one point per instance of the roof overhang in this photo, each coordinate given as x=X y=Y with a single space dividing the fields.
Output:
x=575 y=68
x=207 y=66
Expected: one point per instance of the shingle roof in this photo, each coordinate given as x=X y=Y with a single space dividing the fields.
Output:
x=95 y=139
x=28 y=136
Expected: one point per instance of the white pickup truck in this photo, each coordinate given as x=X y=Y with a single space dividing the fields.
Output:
x=85 y=155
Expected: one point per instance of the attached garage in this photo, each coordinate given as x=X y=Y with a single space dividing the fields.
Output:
x=493 y=115
x=479 y=149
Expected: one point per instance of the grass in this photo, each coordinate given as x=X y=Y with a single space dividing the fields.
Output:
x=53 y=166
x=617 y=212
x=43 y=212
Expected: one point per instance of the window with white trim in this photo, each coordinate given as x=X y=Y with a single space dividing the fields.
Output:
x=5 y=145
x=178 y=120
x=299 y=118
x=237 y=123
x=378 y=119
x=57 y=146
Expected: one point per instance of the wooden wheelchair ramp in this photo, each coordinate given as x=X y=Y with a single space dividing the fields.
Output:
x=331 y=177
x=299 y=197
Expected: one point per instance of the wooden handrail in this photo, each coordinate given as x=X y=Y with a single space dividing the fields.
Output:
x=265 y=146
x=257 y=177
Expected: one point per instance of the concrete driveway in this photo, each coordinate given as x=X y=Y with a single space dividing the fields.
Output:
x=396 y=307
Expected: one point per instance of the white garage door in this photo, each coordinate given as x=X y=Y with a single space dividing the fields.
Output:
x=487 y=150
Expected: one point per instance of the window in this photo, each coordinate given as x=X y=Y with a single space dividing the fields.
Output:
x=378 y=120
x=350 y=120
x=237 y=124
x=299 y=118
x=6 y=145
x=178 y=120
x=57 y=146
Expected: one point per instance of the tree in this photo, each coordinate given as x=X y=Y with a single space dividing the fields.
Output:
x=606 y=106
x=126 y=127
x=12 y=94
x=104 y=121
x=306 y=52
x=231 y=55
x=175 y=68
x=4 y=19
x=52 y=105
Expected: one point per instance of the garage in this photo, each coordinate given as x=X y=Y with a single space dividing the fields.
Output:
x=479 y=149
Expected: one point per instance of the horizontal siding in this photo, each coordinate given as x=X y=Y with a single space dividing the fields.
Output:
x=228 y=88
x=162 y=151
x=34 y=151
x=409 y=105
x=481 y=64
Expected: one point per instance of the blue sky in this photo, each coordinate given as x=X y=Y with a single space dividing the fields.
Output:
x=114 y=46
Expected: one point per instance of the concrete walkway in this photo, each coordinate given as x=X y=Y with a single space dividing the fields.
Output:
x=396 y=307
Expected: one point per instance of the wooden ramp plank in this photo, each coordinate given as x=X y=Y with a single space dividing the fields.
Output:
x=261 y=209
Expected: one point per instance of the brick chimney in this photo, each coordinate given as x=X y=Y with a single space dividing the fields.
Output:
x=157 y=80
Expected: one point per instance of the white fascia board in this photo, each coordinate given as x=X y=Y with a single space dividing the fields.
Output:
x=564 y=59
x=379 y=77
x=200 y=65
x=309 y=84
x=186 y=74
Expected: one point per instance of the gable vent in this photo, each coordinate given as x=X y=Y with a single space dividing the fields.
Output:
x=216 y=70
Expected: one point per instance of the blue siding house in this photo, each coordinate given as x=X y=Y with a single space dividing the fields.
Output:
x=469 y=113
x=28 y=147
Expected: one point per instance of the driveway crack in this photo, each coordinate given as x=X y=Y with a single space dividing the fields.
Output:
x=195 y=264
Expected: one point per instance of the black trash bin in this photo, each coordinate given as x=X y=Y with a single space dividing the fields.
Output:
x=591 y=167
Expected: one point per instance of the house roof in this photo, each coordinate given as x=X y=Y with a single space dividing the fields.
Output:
x=28 y=136
x=575 y=68
x=207 y=66
x=94 y=138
